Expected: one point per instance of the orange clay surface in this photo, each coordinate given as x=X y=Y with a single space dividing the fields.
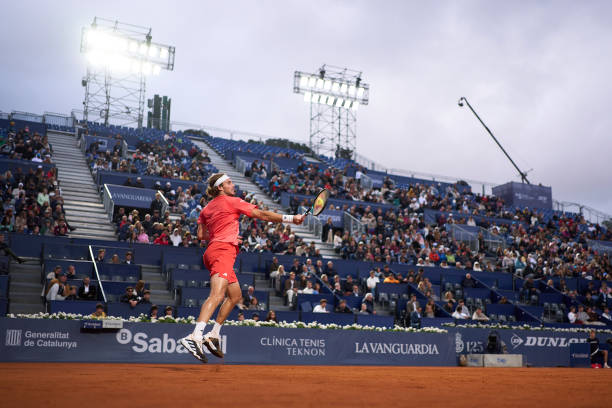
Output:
x=155 y=385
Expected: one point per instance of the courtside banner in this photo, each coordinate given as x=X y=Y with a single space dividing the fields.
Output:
x=336 y=216
x=524 y=195
x=132 y=197
x=63 y=340
x=539 y=348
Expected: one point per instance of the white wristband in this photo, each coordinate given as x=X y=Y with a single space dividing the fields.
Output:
x=288 y=218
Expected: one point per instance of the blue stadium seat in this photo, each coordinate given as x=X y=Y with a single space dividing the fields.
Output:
x=305 y=307
x=327 y=318
x=354 y=302
x=551 y=297
x=500 y=309
x=193 y=283
x=315 y=299
x=130 y=276
x=389 y=288
x=190 y=303
x=197 y=294
x=181 y=256
x=479 y=293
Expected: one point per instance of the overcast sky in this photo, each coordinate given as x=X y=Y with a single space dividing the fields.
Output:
x=537 y=72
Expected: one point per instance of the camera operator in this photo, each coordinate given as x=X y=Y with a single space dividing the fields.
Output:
x=595 y=351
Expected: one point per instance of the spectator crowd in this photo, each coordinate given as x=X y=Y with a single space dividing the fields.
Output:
x=31 y=199
x=537 y=246
x=169 y=158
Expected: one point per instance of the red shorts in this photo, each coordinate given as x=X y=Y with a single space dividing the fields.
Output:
x=219 y=259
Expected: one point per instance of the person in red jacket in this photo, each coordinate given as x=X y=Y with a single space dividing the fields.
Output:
x=434 y=256
x=61 y=229
x=162 y=239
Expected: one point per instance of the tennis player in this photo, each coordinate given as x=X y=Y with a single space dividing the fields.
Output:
x=218 y=225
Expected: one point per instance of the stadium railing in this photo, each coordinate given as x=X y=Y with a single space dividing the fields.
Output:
x=95 y=267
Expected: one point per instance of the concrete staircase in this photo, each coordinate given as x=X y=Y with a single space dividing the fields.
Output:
x=276 y=303
x=82 y=203
x=247 y=185
x=160 y=295
x=25 y=287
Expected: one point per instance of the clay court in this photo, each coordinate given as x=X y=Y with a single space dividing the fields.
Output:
x=117 y=385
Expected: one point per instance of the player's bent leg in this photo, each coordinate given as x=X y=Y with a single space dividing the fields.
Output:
x=193 y=342
x=234 y=294
x=218 y=287
x=212 y=339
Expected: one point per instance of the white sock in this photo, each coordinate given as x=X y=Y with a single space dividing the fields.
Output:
x=215 y=331
x=199 y=328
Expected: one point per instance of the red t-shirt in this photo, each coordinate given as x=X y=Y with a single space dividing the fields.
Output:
x=221 y=215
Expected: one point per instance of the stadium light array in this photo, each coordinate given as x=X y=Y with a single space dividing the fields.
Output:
x=334 y=95
x=120 y=57
x=121 y=52
x=331 y=90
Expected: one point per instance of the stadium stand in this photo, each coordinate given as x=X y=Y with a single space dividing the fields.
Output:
x=419 y=238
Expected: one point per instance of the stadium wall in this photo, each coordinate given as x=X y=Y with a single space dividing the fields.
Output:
x=40 y=340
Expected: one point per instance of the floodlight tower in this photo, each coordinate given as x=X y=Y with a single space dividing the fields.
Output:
x=334 y=95
x=119 y=58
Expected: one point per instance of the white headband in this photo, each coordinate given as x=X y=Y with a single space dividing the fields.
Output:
x=221 y=179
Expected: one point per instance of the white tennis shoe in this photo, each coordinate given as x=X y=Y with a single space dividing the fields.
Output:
x=194 y=347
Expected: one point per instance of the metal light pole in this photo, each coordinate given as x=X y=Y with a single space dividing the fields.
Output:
x=522 y=174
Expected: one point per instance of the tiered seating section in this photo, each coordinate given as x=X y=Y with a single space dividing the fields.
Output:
x=543 y=268
x=413 y=225
x=500 y=295
x=29 y=191
x=169 y=162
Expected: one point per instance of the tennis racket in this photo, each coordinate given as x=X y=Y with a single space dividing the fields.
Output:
x=319 y=203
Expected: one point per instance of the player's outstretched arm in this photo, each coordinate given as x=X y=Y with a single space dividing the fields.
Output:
x=271 y=216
